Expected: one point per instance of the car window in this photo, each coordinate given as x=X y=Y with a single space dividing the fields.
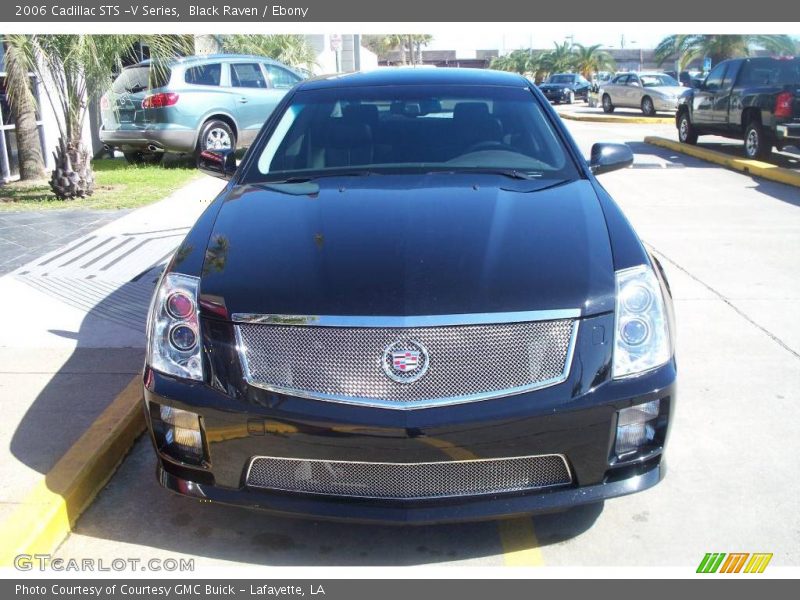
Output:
x=247 y=75
x=771 y=72
x=141 y=78
x=561 y=79
x=633 y=80
x=657 y=80
x=204 y=74
x=714 y=79
x=424 y=128
x=281 y=78
x=619 y=80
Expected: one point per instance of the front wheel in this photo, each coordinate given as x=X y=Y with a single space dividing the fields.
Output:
x=756 y=145
x=687 y=134
x=608 y=107
x=647 y=106
x=216 y=135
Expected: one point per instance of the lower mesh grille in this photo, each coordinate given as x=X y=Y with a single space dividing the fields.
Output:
x=401 y=481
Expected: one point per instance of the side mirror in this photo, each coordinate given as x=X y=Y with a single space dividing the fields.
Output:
x=217 y=163
x=610 y=157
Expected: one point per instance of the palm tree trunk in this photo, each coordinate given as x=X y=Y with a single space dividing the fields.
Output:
x=23 y=109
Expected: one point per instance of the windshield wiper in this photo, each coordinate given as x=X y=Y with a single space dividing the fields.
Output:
x=307 y=178
x=510 y=173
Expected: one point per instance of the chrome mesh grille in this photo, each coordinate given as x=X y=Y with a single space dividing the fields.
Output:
x=400 y=481
x=463 y=361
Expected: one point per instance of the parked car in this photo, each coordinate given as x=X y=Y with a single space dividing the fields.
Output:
x=191 y=104
x=753 y=99
x=566 y=87
x=650 y=92
x=406 y=256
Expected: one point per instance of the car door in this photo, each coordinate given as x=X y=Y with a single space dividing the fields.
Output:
x=616 y=89
x=633 y=91
x=255 y=99
x=722 y=98
x=703 y=101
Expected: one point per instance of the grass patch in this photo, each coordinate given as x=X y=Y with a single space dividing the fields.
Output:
x=117 y=185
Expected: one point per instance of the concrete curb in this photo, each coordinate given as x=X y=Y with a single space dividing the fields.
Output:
x=617 y=119
x=744 y=165
x=50 y=510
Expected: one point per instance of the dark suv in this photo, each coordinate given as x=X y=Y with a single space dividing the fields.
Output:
x=753 y=99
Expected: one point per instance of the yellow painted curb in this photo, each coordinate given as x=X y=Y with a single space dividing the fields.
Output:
x=50 y=510
x=744 y=165
x=520 y=545
x=617 y=119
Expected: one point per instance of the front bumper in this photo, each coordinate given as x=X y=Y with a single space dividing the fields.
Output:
x=665 y=105
x=576 y=419
x=157 y=139
x=556 y=95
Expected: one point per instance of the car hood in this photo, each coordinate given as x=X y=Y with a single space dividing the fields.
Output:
x=399 y=245
x=670 y=91
x=556 y=86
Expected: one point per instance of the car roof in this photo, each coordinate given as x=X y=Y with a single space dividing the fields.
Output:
x=188 y=60
x=411 y=76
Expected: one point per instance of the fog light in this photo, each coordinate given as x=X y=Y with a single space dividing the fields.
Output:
x=635 y=427
x=179 y=433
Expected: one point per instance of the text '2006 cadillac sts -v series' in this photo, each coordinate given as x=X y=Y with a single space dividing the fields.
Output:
x=413 y=302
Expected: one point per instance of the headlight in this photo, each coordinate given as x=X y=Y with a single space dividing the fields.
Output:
x=641 y=336
x=567 y=90
x=173 y=345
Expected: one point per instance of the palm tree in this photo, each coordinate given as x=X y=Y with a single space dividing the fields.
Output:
x=23 y=109
x=293 y=50
x=560 y=58
x=73 y=70
x=718 y=47
x=588 y=60
x=411 y=43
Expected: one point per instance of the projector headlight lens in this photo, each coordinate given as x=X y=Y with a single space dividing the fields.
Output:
x=641 y=337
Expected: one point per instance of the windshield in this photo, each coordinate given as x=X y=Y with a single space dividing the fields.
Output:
x=561 y=79
x=658 y=80
x=413 y=128
x=140 y=79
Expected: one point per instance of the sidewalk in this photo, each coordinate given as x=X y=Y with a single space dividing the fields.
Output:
x=73 y=332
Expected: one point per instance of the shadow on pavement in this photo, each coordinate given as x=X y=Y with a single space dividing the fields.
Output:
x=778 y=191
x=134 y=509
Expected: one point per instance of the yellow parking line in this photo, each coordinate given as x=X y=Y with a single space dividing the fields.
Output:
x=520 y=546
x=50 y=510
x=744 y=165
x=616 y=119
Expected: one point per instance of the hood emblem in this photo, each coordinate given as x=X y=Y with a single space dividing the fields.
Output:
x=405 y=361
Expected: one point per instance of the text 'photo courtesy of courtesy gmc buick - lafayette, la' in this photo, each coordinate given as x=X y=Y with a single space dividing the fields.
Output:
x=752 y=99
x=413 y=302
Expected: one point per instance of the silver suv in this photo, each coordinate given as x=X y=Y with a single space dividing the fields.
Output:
x=191 y=104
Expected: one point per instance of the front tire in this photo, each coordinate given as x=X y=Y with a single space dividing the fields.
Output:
x=756 y=145
x=608 y=107
x=687 y=134
x=215 y=135
x=648 y=108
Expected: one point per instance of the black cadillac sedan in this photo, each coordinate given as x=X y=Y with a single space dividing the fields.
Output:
x=413 y=302
x=566 y=87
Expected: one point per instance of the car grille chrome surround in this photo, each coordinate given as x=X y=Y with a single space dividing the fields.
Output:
x=334 y=359
x=409 y=481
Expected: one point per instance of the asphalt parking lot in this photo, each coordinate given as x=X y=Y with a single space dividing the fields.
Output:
x=729 y=245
